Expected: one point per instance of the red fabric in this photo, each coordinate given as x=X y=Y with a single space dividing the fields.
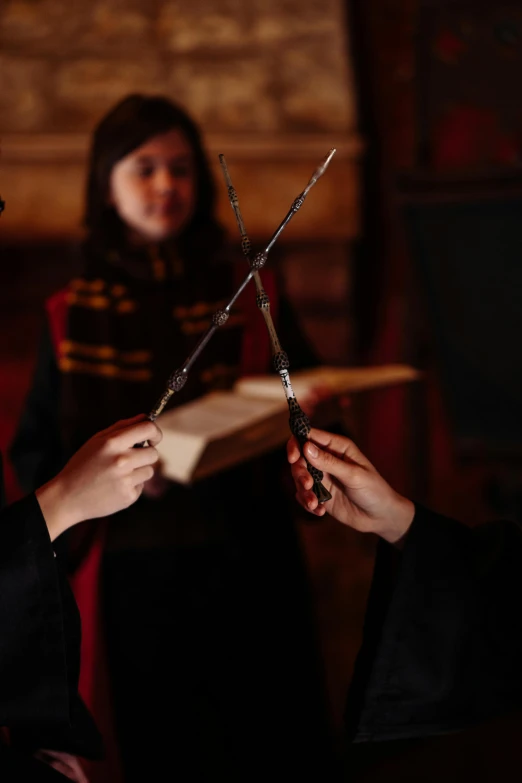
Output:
x=5 y=735
x=467 y=136
x=94 y=683
x=388 y=421
x=94 y=686
x=449 y=47
x=94 y=677
x=56 y=307
x=256 y=351
x=387 y=413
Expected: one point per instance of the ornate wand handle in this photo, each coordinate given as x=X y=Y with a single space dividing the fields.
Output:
x=299 y=421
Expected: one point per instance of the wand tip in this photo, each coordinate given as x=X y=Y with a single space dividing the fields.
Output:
x=329 y=157
x=321 y=168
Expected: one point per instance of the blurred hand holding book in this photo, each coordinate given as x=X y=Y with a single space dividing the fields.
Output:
x=224 y=428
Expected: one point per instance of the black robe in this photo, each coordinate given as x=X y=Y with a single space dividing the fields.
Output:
x=437 y=688
x=39 y=651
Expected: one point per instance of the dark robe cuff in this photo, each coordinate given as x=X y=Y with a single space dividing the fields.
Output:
x=33 y=667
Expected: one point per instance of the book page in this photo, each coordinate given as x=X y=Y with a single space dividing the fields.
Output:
x=219 y=430
x=239 y=447
x=179 y=454
x=219 y=414
x=340 y=380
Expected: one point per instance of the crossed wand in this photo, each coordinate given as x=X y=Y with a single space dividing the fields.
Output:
x=299 y=421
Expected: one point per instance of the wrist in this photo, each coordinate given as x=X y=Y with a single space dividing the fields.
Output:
x=397 y=523
x=52 y=499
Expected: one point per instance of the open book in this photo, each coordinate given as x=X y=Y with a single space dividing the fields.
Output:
x=225 y=428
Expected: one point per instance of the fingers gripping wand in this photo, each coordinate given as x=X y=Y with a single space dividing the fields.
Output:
x=299 y=421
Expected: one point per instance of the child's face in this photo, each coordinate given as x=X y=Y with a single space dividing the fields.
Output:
x=153 y=189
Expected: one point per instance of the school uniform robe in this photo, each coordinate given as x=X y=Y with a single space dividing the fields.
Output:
x=437 y=688
x=39 y=651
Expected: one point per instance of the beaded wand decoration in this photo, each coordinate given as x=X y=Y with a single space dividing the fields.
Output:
x=299 y=421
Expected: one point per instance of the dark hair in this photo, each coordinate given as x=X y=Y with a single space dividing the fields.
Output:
x=127 y=126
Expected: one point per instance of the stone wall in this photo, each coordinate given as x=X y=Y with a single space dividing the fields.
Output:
x=268 y=81
x=261 y=66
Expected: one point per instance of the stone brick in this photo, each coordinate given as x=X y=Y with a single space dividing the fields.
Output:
x=264 y=65
x=314 y=87
x=119 y=26
x=24 y=98
x=226 y=95
x=277 y=21
x=85 y=89
x=44 y=25
x=61 y=28
x=233 y=24
x=200 y=24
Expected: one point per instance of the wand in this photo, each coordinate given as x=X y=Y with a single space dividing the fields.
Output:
x=179 y=377
x=299 y=421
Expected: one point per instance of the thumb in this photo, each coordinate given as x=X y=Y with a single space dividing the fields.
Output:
x=327 y=462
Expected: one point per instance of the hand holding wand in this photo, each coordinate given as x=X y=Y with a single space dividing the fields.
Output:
x=299 y=421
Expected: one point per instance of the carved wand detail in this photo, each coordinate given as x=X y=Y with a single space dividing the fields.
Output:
x=179 y=377
x=299 y=421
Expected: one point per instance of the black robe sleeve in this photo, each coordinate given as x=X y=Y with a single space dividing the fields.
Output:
x=33 y=666
x=36 y=452
x=442 y=646
x=39 y=641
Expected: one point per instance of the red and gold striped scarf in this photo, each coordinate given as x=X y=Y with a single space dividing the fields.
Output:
x=129 y=327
